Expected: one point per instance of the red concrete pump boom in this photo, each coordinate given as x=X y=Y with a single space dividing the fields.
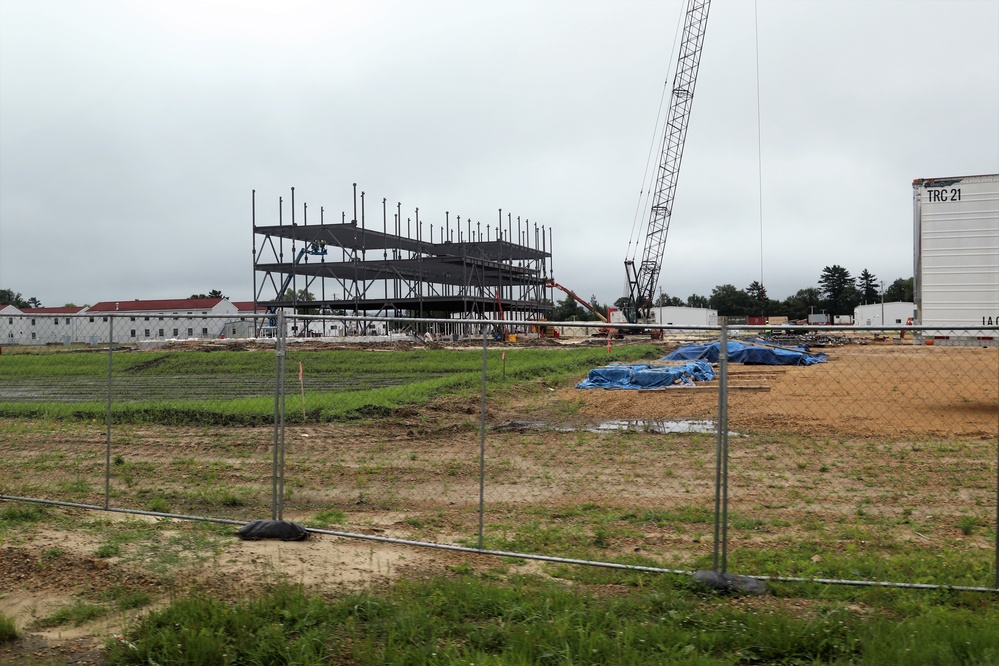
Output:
x=555 y=285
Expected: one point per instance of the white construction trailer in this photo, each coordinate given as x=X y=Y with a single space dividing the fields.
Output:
x=957 y=258
x=895 y=314
x=684 y=316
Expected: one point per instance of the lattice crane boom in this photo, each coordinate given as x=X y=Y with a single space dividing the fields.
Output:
x=642 y=282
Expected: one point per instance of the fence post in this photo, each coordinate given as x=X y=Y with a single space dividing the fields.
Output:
x=278 y=411
x=723 y=433
x=107 y=451
x=282 y=340
x=996 y=551
x=482 y=438
x=721 y=456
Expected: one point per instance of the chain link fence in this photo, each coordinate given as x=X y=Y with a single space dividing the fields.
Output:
x=871 y=461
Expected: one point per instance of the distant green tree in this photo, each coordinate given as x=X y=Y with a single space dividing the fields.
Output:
x=867 y=284
x=595 y=304
x=304 y=296
x=568 y=310
x=775 y=308
x=10 y=297
x=732 y=302
x=851 y=299
x=834 y=283
x=900 y=291
x=697 y=301
x=214 y=293
x=757 y=291
x=34 y=302
x=665 y=300
x=802 y=303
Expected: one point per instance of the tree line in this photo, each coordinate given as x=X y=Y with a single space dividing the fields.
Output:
x=15 y=298
x=837 y=293
x=11 y=297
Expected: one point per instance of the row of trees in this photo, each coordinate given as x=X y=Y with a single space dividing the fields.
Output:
x=838 y=292
x=214 y=293
x=11 y=297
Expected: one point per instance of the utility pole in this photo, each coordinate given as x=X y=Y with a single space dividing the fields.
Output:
x=882 y=302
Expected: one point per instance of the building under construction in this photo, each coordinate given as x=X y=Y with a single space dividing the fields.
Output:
x=400 y=266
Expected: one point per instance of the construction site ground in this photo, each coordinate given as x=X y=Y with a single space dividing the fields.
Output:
x=892 y=397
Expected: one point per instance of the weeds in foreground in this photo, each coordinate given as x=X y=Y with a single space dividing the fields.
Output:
x=324 y=519
x=116 y=599
x=18 y=514
x=529 y=620
x=8 y=630
x=80 y=612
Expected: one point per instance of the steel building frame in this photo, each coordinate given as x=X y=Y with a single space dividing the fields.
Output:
x=351 y=268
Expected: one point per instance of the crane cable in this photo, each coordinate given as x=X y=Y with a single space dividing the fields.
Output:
x=637 y=225
x=759 y=132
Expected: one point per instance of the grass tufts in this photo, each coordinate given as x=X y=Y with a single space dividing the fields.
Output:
x=466 y=619
x=8 y=630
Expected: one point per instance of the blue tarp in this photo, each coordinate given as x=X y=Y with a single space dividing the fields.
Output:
x=739 y=352
x=643 y=376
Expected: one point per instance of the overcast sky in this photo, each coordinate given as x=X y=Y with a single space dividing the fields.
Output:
x=132 y=133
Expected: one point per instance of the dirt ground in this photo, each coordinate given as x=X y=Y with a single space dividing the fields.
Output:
x=35 y=586
x=411 y=477
x=862 y=390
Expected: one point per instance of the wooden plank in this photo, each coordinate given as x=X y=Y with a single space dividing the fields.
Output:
x=713 y=388
x=761 y=373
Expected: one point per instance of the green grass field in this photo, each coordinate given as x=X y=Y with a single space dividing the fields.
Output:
x=237 y=388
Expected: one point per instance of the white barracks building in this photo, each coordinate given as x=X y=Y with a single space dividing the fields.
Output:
x=124 y=321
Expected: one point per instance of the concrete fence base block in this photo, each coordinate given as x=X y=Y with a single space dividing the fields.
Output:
x=273 y=529
x=728 y=582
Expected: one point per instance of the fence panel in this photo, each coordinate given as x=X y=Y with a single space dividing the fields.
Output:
x=54 y=404
x=193 y=419
x=381 y=443
x=596 y=473
x=878 y=464
x=113 y=419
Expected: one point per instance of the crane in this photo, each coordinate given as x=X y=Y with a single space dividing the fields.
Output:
x=643 y=279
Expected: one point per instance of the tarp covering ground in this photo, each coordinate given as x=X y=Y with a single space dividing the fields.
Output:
x=642 y=376
x=740 y=352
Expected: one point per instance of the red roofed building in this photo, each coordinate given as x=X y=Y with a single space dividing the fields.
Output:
x=247 y=307
x=169 y=305
x=164 y=319
x=69 y=310
x=123 y=321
